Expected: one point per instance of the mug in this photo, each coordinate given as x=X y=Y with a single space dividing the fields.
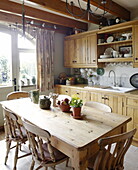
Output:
x=34 y=95
x=115 y=54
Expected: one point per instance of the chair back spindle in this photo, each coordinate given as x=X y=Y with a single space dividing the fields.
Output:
x=36 y=136
x=112 y=151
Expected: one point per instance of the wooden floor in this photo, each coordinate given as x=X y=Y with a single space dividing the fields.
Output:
x=131 y=159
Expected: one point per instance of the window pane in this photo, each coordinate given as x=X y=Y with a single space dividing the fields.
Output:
x=27 y=68
x=5 y=59
x=25 y=43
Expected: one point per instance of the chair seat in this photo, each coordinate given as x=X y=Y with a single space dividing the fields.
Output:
x=18 y=137
x=58 y=155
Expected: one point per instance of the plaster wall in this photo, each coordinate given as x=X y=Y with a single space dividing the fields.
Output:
x=59 y=56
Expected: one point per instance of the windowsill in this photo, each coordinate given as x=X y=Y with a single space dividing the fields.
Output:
x=4 y=86
x=28 y=86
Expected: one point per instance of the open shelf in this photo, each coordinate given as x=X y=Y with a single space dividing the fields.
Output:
x=116 y=42
x=115 y=60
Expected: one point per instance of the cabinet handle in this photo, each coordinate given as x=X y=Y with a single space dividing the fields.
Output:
x=103 y=97
x=106 y=98
x=94 y=60
x=66 y=91
x=136 y=58
x=78 y=93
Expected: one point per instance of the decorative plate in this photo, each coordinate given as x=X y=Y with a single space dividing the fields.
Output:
x=134 y=80
x=108 y=51
x=110 y=39
x=100 y=71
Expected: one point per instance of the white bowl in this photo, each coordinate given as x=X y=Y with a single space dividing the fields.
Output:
x=127 y=55
x=105 y=56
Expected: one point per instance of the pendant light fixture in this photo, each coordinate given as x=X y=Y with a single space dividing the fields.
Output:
x=70 y=8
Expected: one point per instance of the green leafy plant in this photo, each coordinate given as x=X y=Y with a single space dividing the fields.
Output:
x=76 y=101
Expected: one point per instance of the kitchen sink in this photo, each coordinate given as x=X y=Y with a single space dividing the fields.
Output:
x=119 y=89
x=111 y=88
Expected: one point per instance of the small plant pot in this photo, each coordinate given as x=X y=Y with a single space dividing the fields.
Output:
x=76 y=112
x=64 y=108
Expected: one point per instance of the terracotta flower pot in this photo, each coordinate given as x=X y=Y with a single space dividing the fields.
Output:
x=64 y=108
x=76 y=112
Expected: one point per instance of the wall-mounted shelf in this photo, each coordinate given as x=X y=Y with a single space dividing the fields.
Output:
x=116 y=42
x=115 y=60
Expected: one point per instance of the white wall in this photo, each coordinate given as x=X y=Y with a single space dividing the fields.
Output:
x=123 y=74
x=59 y=55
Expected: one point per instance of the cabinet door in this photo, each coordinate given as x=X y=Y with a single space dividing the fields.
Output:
x=76 y=91
x=115 y=102
x=92 y=49
x=135 y=45
x=85 y=96
x=69 y=47
x=133 y=113
x=80 y=51
x=96 y=97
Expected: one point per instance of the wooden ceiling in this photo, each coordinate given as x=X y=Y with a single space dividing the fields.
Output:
x=58 y=6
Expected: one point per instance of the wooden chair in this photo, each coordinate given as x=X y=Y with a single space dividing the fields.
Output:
x=112 y=151
x=14 y=132
x=42 y=150
x=99 y=106
x=17 y=95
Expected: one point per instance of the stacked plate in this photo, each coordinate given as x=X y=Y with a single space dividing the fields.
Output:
x=107 y=53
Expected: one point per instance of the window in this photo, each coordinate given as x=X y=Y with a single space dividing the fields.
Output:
x=17 y=59
x=5 y=59
x=27 y=60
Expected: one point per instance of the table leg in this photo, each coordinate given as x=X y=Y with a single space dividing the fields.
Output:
x=79 y=159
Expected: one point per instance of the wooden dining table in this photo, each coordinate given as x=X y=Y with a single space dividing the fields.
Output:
x=77 y=138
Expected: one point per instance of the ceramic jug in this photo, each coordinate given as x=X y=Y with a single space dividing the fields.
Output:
x=34 y=95
x=44 y=103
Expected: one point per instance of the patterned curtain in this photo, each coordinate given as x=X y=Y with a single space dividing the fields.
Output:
x=45 y=53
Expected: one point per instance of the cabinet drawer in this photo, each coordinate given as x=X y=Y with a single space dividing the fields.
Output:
x=132 y=102
x=64 y=90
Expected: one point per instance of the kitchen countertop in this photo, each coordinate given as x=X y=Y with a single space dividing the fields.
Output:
x=133 y=93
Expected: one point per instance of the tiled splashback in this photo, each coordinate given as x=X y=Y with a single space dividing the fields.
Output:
x=123 y=73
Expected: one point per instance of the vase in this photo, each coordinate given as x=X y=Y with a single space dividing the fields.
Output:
x=34 y=95
x=76 y=112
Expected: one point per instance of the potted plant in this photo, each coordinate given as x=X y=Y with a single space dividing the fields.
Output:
x=76 y=104
x=64 y=105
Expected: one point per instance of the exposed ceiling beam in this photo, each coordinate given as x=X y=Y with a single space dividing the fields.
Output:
x=113 y=8
x=41 y=15
x=11 y=18
x=60 y=6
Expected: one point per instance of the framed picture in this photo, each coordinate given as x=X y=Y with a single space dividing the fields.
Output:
x=125 y=49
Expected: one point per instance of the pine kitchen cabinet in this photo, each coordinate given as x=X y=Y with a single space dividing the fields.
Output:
x=83 y=50
x=114 y=101
x=135 y=45
x=80 y=51
x=132 y=111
